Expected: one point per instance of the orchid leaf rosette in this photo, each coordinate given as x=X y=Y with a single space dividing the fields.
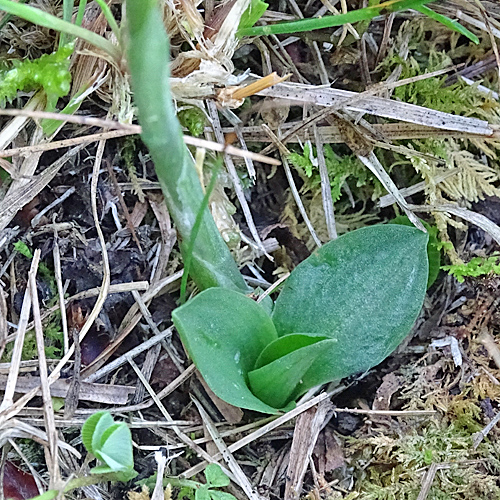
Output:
x=342 y=311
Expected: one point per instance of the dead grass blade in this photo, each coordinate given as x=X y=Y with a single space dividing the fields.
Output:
x=378 y=106
x=240 y=477
x=474 y=218
x=123 y=130
x=51 y=455
x=22 y=193
x=15 y=360
x=307 y=428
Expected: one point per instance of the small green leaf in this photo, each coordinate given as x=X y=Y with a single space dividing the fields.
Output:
x=224 y=332
x=23 y=249
x=108 y=441
x=277 y=382
x=202 y=493
x=116 y=448
x=449 y=23
x=88 y=429
x=215 y=476
x=186 y=492
x=105 y=421
x=254 y=12
x=285 y=345
x=364 y=290
x=57 y=403
x=221 y=495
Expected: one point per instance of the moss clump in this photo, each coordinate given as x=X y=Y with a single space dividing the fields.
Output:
x=341 y=169
x=49 y=72
x=397 y=465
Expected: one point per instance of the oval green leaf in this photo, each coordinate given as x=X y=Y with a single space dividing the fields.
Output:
x=215 y=476
x=224 y=332
x=364 y=290
x=433 y=251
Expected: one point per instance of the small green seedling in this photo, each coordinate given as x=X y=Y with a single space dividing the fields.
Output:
x=194 y=490
x=215 y=479
x=342 y=311
x=110 y=442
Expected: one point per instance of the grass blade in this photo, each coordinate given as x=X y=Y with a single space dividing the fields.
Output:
x=332 y=21
x=449 y=23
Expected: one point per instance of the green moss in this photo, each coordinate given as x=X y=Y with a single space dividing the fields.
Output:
x=53 y=337
x=193 y=118
x=477 y=266
x=341 y=169
x=397 y=465
x=49 y=72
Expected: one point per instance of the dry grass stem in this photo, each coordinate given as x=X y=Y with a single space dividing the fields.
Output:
x=51 y=454
x=181 y=435
x=240 y=477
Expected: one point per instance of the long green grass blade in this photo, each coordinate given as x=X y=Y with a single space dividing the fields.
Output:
x=37 y=16
x=148 y=58
x=67 y=13
x=449 y=23
x=110 y=18
x=81 y=12
x=194 y=234
x=332 y=21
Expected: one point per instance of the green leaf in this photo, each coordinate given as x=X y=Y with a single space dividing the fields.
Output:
x=449 y=23
x=285 y=345
x=221 y=495
x=277 y=382
x=186 y=492
x=116 y=448
x=433 y=247
x=202 y=493
x=105 y=422
x=88 y=429
x=254 y=12
x=224 y=332
x=364 y=290
x=108 y=441
x=215 y=476
x=23 y=249
x=352 y=16
x=57 y=403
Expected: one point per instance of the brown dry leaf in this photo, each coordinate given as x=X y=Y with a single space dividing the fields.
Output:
x=390 y=384
x=329 y=452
